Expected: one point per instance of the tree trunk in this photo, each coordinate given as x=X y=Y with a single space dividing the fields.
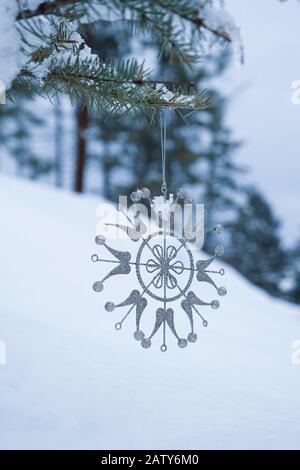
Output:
x=58 y=132
x=82 y=125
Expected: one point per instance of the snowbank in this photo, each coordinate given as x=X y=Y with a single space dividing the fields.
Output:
x=72 y=381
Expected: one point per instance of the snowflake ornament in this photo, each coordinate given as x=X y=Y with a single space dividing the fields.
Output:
x=165 y=271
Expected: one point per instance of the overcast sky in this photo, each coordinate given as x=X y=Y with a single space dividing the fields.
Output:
x=262 y=112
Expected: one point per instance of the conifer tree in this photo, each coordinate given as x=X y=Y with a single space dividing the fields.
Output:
x=254 y=246
x=18 y=121
x=291 y=291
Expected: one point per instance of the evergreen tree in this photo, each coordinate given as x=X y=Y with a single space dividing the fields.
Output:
x=291 y=291
x=254 y=246
x=18 y=120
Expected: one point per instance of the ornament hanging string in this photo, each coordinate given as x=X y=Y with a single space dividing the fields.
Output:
x=163 y=138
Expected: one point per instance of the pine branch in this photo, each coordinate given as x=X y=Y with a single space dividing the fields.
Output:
x=145 y=14
x=107 y=87
x=180 y=9
x=59 y=64
x=191 y=16
x=140 y=82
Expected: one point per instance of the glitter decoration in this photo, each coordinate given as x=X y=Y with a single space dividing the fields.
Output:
x=165 y=271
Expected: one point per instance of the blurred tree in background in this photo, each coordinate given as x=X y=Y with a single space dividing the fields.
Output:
x=292 y=289
x=17 y=119
x=255 y=246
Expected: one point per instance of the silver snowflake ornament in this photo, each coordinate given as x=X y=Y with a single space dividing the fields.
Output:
x=165 y=271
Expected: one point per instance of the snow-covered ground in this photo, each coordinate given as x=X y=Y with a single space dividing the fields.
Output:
x=72 y=381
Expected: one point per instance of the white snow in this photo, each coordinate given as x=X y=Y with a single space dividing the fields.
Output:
x=217 y=18
x=69 y=53
x=72 y=381
x=11 y=58
x=14 y=53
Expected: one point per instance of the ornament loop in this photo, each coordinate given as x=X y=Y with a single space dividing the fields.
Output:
x=163 y=138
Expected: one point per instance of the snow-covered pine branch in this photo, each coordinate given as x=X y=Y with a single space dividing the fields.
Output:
x=42 y=44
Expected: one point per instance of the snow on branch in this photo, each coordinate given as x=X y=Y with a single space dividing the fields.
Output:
x=49 y=50
x=67 y=65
